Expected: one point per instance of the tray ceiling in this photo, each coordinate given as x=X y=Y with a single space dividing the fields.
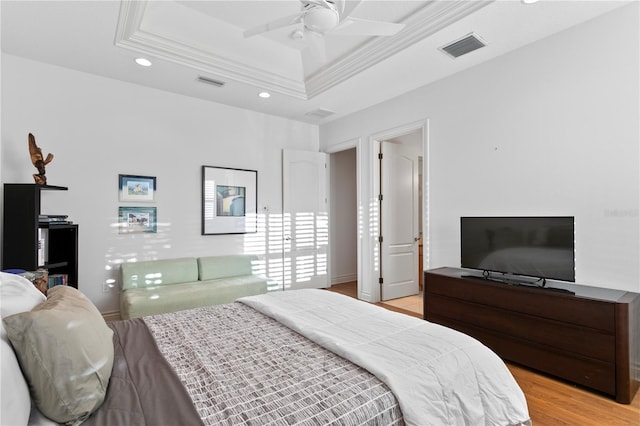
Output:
x=310 y=79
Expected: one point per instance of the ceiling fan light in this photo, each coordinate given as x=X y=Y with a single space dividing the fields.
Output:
x=297 y=34
x=321 y=19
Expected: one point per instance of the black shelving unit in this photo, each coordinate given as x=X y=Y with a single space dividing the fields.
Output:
x=22 y=231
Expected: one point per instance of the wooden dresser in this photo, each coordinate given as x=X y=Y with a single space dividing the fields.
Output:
x=591 y=338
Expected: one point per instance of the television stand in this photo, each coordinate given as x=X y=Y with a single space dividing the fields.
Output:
x=589 y=336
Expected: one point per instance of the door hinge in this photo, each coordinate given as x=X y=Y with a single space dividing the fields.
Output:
x=380 y=280
x=380 y=197
x=380 y=239
x=380 y=156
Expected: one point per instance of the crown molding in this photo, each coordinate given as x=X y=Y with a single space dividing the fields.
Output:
x=431 y=18
x=129 y=35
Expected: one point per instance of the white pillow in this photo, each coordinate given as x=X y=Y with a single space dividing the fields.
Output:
x=17 y=294
x=14 y=394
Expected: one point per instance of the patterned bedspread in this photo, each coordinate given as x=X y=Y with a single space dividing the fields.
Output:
x=242 y=367
x=438 y=375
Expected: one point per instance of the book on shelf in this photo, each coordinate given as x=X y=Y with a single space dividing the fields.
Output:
x=59 y=219
x=58 y=279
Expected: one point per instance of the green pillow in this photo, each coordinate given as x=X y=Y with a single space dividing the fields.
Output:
x=65 y=350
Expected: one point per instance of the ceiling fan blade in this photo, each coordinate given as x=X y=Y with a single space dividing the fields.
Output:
x=365 y=27
x=274 y=25
x=321 y=3
x=345 y=7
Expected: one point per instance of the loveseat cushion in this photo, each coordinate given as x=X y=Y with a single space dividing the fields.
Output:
x=157 y=300
x=153 y=273
x=214 y=267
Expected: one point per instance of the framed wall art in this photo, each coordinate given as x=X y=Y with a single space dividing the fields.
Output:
x=137 y=188
x=229 y=200
x=137 y=220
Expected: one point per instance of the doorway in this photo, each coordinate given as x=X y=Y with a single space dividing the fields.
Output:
x=367 y=192
x=344 y=214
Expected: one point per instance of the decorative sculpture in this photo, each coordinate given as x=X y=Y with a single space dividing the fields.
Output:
x=36 y=159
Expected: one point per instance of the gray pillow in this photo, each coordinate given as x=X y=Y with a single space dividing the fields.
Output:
x=65 y=350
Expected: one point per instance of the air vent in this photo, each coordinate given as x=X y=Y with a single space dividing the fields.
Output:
x=467 y=44
x=320 y=113
x=210 y=81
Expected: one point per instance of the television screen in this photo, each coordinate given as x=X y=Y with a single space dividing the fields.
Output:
x=541 y=247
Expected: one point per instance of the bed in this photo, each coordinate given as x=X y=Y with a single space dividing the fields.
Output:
x=308 y=357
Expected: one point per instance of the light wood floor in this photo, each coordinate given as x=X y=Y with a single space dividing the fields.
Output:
x=551 y=402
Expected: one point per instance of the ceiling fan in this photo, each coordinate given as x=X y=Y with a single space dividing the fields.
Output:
x=323 y=17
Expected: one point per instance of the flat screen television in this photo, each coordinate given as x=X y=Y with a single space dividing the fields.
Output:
x=541 y=247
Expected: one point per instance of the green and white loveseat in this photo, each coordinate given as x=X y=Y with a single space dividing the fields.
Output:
x=169 y=285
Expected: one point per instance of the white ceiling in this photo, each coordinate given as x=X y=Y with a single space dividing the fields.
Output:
x=187 y=39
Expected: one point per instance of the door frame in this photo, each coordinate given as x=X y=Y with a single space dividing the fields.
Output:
x=368 y=179
x=350 y=144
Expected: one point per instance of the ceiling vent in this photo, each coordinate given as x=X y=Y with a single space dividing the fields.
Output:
x=320 y=113
x=210 y=81
x=467 y=44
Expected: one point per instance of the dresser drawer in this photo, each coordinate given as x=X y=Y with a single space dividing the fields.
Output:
x=536 y=302
x=598 y=375
x=561 y=336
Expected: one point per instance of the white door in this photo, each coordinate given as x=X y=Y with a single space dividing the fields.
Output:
x=398 y=221
x=306 y=219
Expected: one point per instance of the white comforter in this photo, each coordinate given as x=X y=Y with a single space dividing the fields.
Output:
x=439 y=376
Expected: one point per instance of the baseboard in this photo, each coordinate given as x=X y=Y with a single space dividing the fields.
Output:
x=111 y=316
x=344 y=279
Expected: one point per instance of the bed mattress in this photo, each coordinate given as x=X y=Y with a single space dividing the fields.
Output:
x=304 y=357
x=229 y=365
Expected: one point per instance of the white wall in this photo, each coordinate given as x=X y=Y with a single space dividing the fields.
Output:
x=98 y=128
x=344 y=214
x=550 y=129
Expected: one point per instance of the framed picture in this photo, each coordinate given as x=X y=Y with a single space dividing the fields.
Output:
x=137 y=220
x=137 y=188
x=229 y=201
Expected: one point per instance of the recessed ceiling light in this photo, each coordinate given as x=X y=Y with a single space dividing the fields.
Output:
x=144 y=62
x=529 y=1
x=264 y=95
